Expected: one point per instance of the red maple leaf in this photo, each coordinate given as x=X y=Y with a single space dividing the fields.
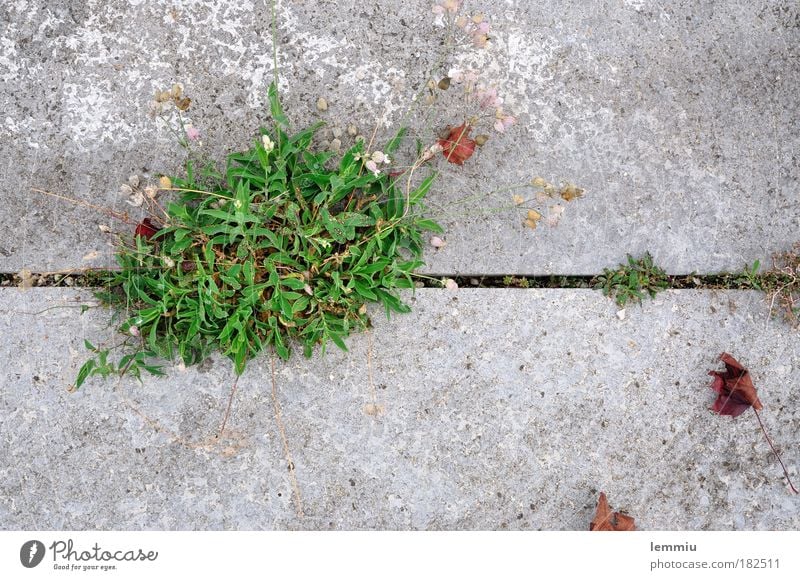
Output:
x=735 y=394
x=457 y=147
x=734 y=387
x=146 y=229
x=607 y=521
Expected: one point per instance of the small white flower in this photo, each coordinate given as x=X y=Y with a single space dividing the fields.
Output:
x=267 y=142
x=169 y=262
x=134 y=330
x=237 y=203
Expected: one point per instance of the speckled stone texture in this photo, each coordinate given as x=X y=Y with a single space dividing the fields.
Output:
x=680 y=119
x=483 y=409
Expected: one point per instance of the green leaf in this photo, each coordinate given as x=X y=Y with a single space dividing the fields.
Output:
x=275 y=107
x=395 y=141
x=429 y=225
x=84 y=371
x=337 y=340
x=418 y=194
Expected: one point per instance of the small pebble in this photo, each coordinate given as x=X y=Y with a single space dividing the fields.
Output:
x=352 y=130
x=322 y=104
x=336 y=145
x=337 y=132
x=621 y=314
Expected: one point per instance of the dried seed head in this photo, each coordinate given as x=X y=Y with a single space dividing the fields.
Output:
x=450 y=284
x=438 y=242
x=164 y=182
x=481 y=140
x=322 y=104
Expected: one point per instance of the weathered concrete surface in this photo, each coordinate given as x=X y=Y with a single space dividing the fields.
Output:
x=499 y=409
x=679 y=118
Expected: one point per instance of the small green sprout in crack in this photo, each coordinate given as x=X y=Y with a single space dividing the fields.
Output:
x=634 y=281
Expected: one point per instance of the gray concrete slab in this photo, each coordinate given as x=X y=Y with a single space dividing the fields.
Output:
x=678 y=118
x=482 y=409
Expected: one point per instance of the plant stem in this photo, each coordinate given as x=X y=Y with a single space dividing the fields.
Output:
x=228 y=410
x=775 y=451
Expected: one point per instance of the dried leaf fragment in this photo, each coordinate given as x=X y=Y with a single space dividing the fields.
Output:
x=569 y=192
x=183 y=104
x=607 y=521
x=26 y=279
x=146 y=229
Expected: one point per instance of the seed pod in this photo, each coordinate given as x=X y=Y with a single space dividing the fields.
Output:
x=444 y=84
